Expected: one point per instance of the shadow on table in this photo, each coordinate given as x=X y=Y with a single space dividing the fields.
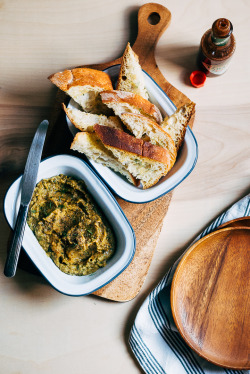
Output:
x=161 y=273
x=140 y=298
x=23 y=280
x=184 y=56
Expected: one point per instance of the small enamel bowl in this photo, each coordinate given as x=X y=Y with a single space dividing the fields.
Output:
x=125 y=238
x=186 y=159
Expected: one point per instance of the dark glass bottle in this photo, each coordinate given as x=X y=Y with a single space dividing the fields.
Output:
x=216 y=48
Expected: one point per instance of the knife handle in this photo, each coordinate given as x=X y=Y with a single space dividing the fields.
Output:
x=16 y=242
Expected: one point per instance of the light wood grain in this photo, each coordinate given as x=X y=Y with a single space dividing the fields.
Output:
x=42 y=331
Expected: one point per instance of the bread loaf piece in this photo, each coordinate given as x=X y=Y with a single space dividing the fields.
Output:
x=146 y=129
x=86 y=121
x=124 y=102
x=143 y=160
x=176 y=124
x=84 y=86
x=131 y=76
x=92 y=147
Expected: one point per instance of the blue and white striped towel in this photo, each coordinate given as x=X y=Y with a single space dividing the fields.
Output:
x=154 y=339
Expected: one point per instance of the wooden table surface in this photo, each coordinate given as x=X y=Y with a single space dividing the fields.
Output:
x=43 y=331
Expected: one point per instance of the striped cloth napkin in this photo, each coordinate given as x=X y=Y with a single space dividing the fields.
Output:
x=154 y=338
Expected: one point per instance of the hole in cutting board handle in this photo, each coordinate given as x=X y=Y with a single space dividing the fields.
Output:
x=154 y=18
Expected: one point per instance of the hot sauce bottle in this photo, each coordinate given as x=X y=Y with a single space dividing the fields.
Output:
x=217 y=48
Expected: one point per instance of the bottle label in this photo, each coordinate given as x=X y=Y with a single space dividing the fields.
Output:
x=216 y=69
x=219 y=41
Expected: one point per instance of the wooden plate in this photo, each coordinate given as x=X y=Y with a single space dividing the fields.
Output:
x=209 y=297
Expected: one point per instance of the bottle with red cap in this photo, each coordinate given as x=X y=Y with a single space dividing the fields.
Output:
x=217 y=48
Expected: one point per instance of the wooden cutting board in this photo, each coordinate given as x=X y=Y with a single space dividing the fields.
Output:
x=146 y=219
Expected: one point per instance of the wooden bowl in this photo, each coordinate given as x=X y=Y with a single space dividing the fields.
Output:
x=209 y=297
x=238 y=222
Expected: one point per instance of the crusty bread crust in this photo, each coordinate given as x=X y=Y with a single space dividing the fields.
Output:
x=162 y=135
x=81 y=77
x=178 y=132
x=92 y=147
x=143 y=105
x=131 y=76
x=156 y=153
x=190 y=112
x=119 y=139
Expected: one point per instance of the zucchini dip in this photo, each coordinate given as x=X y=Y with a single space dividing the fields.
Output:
x=69 y=226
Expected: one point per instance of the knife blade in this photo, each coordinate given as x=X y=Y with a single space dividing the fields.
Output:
x=28 y=184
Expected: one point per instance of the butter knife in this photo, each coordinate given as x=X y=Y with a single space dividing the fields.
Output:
x=28 y=184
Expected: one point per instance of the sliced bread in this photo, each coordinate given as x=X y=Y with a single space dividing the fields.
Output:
x=85 y=121
x=144 y=128
x=131 y=76
x=84 y=86
x=143 y=160
x=176 y=124
x=92 y=147
x=128 y=102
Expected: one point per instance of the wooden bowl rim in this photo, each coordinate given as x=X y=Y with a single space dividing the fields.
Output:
x=226 y=224
x=177 y=270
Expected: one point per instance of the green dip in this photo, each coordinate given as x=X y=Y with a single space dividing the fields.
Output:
x=69 y=226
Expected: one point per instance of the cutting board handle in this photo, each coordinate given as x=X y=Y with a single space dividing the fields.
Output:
x=153 y=19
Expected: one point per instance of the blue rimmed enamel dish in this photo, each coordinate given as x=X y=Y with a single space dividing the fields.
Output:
x=185 y=163
x=125 y=238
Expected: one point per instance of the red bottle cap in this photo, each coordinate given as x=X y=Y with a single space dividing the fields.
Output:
x=198 y=78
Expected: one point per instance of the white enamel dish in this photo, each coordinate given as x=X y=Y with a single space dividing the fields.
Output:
x=124 y=234
x=185 y=163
